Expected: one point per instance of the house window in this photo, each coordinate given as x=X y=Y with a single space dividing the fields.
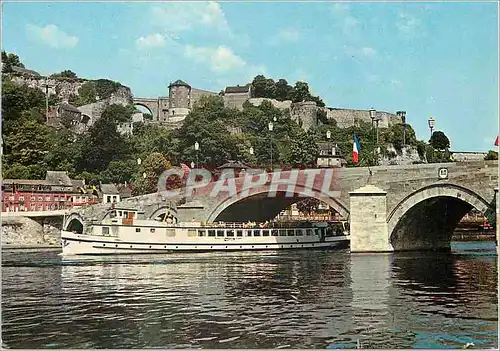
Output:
x=11 y=197
x=33 y=198
x=108 y=198
x=56 y=198
x=114 y=198
x=40 y=198
x=47 y=198
x=21 y=198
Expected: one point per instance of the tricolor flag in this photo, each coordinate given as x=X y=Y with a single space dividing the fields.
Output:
x=355 y=149
x=496 y=141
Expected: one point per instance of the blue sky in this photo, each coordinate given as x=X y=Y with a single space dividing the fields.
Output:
x=430 y=59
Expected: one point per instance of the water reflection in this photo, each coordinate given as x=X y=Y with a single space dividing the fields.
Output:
x=303 y=299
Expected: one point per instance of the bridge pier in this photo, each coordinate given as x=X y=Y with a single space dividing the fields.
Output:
x=368 y=220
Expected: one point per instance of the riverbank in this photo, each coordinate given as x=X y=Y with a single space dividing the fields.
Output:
x=26 y=233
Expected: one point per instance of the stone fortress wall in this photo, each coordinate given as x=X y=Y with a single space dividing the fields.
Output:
x=171 y=110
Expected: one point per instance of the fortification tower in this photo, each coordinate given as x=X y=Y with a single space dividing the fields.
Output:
x=179 y=94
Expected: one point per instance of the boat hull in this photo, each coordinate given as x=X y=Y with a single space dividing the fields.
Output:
x=81 y=244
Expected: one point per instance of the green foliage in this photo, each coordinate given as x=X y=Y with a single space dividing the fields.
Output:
x=120 y=171
x=118 y=113
x=394 y=135
x=154 y=165
x=280 y=90
x=439 y=141
x=491 y=155
x=9 y=60
x=19 y=171
x=102 y=145
x=92 y=91
x=65 y=74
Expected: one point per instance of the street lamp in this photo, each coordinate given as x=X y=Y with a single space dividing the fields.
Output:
x=196 y=147
x=270 y=126
x=432 y=123
x=402 y=114
x=329 y=136
x=373 y=113
x=139 y=161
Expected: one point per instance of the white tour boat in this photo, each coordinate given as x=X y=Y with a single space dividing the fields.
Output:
x=121 y=231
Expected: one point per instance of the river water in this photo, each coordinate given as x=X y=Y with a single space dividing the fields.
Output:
x=292 y=299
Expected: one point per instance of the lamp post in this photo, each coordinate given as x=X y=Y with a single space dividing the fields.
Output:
x=402 y=114
x=373 y=114
x=196 y=147
x=270 y=126
x=329 y=136
x=432 y=123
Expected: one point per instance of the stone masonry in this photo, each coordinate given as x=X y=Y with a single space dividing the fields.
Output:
x=368 y=225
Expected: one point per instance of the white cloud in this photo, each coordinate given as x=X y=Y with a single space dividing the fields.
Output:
x=396 y=83
x=220 y=59
x=52 y=36
x=151 y=41
x=347 y=22
x=286 y=35
x=407 y=24
x=183 y=16
x=367 y=51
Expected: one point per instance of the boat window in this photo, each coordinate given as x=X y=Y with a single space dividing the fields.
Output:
x=152 y=230
x=299 y=232
x=265 y=233
x=201 y=233
x=274 y=232
x=112 y=214
x=170 y=232
x=191 y=232
x=105 y=230
x=220 y=233
x=137 y=230
x=120 y=214
x=125 y=214
x=282 y=232
x=290 y=232
x=239 y=233
x=256 y=233
x=230 y=233
x=211 y=233
x=309 y=232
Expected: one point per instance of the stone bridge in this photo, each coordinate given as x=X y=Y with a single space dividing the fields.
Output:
x=153 y=105
x=389 y=208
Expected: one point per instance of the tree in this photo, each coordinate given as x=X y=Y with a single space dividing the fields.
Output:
x=65 y=74
x=118 y=113
x=308 y=206
x=147 y=179
x=283 y=91
x=439 y=141
x=394 y=136
x=120 y=171
x=102 y=145
x=301 y=92
x=10 y=60
x=491 y=155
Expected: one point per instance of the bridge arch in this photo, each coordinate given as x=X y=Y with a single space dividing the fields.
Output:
x=259 y=207
x=426 y=218
x=74 y=222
